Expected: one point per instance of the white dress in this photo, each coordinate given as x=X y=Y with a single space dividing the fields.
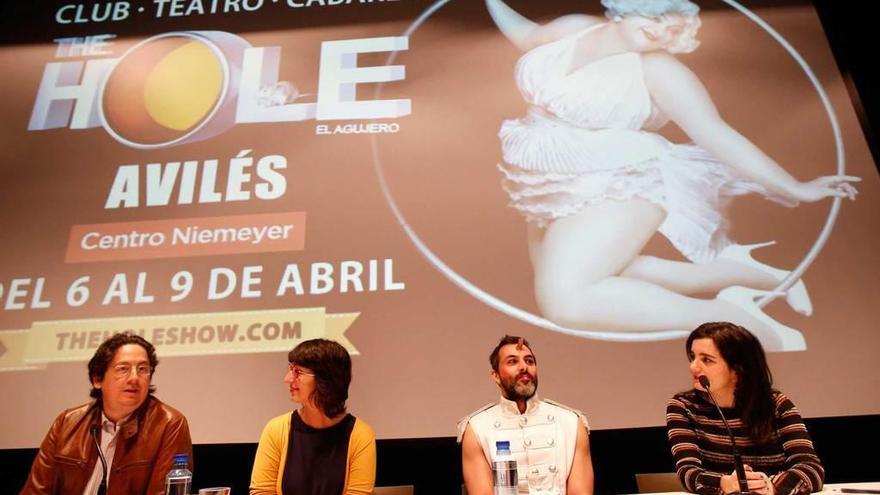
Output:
x=588 y=138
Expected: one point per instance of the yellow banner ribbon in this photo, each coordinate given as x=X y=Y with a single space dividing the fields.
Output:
x=175 y=335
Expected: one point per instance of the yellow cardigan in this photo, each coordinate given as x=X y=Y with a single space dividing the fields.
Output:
x=360 y=468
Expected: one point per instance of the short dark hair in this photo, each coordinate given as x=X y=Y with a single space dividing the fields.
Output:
x=753 y=394
x=104 y=355
x=495 y=359
x=332 y=367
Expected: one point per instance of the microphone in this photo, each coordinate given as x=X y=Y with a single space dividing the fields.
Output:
x=102 y=488
x=737 y=459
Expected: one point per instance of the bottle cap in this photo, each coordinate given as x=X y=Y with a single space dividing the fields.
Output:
x=502 y=445
x=181 y=459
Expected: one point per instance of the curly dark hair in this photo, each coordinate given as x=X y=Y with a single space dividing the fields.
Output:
x=753 y=393
x=104 y=355
x=495 y=359
x=332 y=367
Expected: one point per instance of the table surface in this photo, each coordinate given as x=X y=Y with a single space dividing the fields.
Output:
x=835 y=487
x=829 y=488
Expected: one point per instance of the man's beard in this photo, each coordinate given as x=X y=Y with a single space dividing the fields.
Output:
x=516 y=391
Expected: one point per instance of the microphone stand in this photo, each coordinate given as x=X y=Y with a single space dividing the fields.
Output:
x=737 y=459
x=102 y=488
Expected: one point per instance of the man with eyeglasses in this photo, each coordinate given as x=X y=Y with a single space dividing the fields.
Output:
x=138 y=434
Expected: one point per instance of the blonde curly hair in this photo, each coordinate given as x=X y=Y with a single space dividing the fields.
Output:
x=685 y=40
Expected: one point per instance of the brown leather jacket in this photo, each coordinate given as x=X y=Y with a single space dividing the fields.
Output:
x=144 y=450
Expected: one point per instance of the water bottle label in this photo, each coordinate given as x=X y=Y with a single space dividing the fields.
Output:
x=178 y=485
x=506 y=479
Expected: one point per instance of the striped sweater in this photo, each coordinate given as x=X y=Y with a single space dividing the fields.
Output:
x=702 y=451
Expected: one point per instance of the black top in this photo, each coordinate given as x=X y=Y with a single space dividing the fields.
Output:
x=316 y=458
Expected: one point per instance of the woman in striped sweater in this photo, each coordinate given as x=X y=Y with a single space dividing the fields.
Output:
x=770 y=434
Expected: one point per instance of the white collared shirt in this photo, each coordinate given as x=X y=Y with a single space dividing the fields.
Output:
x=109 y=431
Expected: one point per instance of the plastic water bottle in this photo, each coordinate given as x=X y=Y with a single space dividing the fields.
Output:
x=178 y=481
x=504 y=469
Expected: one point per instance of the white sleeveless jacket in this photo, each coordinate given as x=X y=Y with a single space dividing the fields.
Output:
x=542 y=440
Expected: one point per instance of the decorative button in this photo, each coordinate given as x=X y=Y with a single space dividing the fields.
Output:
x=528 y=442
x=536 y=471
x=551 y=418
x=523 y=420
x=497 y=424
x=552 y=468
x=551 y=441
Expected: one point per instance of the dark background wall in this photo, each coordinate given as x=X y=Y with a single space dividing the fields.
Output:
x=433 y=464
x=852 y=35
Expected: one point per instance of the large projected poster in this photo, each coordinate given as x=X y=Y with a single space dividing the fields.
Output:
x=414 y=179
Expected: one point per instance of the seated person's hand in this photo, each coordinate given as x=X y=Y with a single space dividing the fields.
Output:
x=758 y=482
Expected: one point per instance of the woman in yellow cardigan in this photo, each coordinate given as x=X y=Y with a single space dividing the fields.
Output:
x=318 y=449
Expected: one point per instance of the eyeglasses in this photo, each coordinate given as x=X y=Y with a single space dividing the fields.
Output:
x=297 y=371
x=124 y=370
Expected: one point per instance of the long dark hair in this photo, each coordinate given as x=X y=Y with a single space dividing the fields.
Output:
x=332 y=367
x=753 y=394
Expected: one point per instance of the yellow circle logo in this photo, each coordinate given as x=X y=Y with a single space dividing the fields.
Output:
x=183 y=87
x=165 y=90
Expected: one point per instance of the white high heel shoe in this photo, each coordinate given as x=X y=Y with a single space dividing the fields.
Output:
x=796 y=296
x=789 y=339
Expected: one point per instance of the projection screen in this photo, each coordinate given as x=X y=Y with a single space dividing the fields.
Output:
x=229 y=178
